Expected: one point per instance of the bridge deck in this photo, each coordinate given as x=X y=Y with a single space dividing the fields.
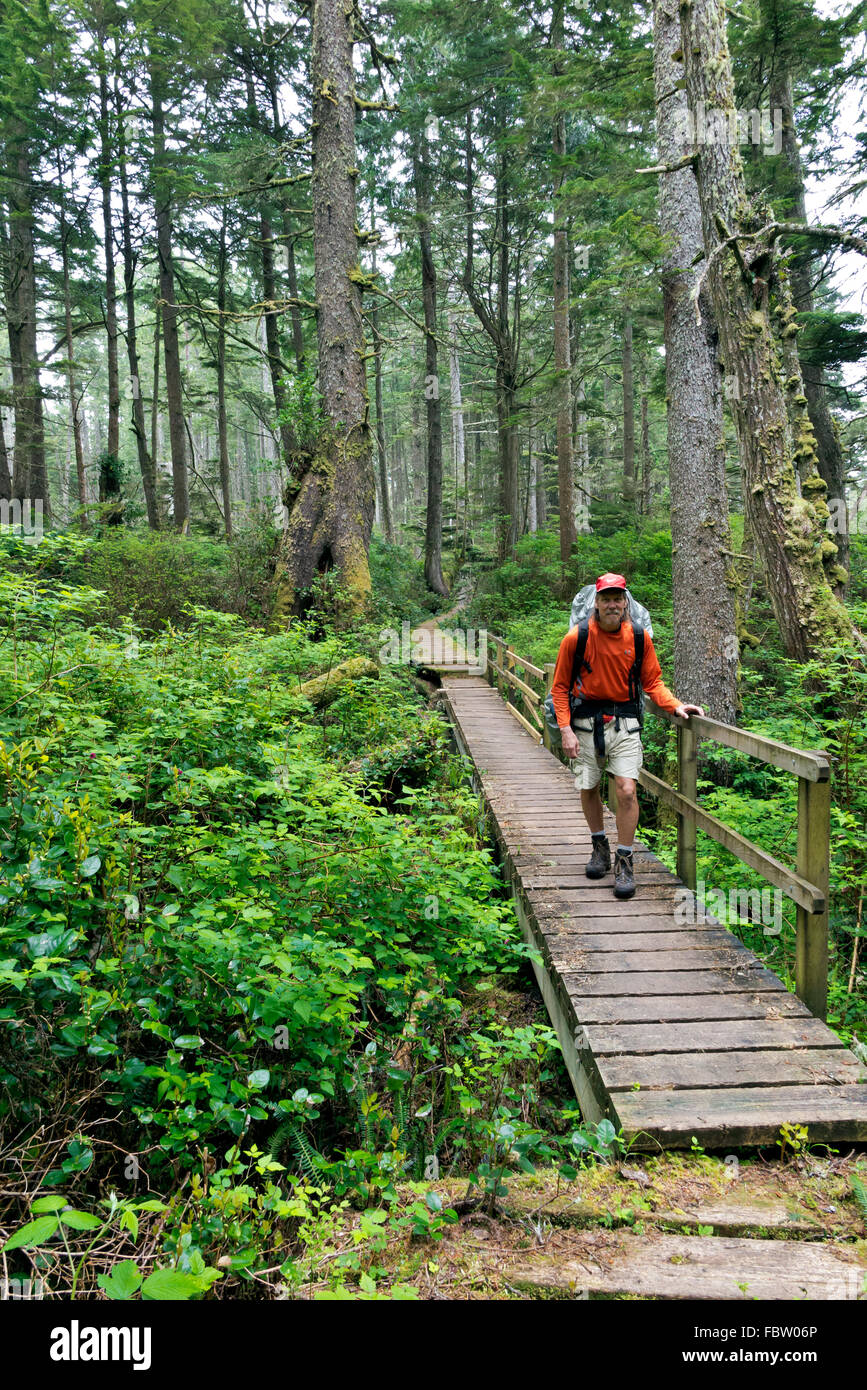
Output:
x=671 y=1031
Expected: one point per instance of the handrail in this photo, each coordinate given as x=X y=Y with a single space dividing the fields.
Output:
x=806 y=885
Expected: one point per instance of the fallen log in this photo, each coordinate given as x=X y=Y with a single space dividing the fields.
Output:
x=322 y=690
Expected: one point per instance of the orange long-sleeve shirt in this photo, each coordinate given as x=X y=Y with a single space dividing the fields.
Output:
x=611 y=655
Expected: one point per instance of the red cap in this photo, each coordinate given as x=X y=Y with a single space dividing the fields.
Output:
x=610 y=581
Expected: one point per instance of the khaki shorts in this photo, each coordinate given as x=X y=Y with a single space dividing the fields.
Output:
x=624 y=755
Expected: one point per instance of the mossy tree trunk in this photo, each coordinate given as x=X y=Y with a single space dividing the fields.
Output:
x=433 y=542
x=798 y=554
x=331 y=494
x=705 y=640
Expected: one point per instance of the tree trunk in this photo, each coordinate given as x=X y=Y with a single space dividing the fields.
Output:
x=105 y=163
x=146 y=461
x=798 y=555
x=272 y=340
x=384 y=494
x=433 y=544
x=70 y=364
x=645 y=444
x=562 y=355
x=828 y=448
x=292 y=286
x=222 y=428
x=628 y=416
x=29 y=480
x=704 y=585
x=5 y=475
x=171 y=348
x=331 y=502
x=459 y=446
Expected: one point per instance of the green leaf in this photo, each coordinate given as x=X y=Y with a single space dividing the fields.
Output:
x=172 y=1285
x=80 y=1220
x=34 y=1233
x=258 y=1080
x=90 y=866
x=49 y=1204
x=122 y=1282
x=433 y=1200
x=189 y=1040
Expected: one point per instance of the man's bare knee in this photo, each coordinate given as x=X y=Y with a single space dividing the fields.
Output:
x=625 y=790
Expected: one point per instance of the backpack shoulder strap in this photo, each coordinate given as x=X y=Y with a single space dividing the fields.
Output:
x=635 y=673
x=580 y=648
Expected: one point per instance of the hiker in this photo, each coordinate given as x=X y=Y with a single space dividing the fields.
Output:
x=607 y=712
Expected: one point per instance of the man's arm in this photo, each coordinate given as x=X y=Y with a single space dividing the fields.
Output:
x=560 y=690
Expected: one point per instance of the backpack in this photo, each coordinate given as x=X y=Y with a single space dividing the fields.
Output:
x=582 y=606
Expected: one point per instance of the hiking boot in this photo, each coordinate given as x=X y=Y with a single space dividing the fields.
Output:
x=624 y=875
x=600 y=860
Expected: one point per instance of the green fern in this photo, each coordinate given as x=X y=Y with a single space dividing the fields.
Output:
x=859 y=1190
x=290 y=1136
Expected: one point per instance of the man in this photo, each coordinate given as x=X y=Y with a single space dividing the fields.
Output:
x=608 y=717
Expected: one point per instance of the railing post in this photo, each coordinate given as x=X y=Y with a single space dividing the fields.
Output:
x=687 y=749
x=549 y=681
x=510 y=666
x=499 y=665
x=814 y=848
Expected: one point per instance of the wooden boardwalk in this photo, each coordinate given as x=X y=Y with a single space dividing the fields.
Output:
x=671 y=1031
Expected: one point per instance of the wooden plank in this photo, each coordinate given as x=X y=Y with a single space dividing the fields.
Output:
x=743 y=1115
x=600 y=927
x=801 y=891
x=670 y=982
x=684 y=939
x=698 y=1070
x=744 y=1035
x=683 y=1008
x=568 y=960
x=729 y=1268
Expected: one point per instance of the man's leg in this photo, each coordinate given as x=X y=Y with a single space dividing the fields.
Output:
x=591 y=805
x=627 y=810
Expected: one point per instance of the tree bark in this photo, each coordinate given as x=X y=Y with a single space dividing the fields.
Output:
x=628 y=416
x=222 y=428
x=830 y=460
x=459 y=446
x=272 y=340
x=105 y=164
x=433 y=544
x=146 y=461
x=503 y=336
x=562 y=355
x=798 y=555
x=171 y=348
x=331 y=496
x=5 y=475
x=70 y=363
x=704 y=583
x=384 y=493
x=29 y=479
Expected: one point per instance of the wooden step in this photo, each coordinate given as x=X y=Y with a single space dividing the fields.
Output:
x=693 y=1267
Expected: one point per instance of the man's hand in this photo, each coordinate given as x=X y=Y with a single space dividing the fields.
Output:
x=686 y=710
x=570 y=741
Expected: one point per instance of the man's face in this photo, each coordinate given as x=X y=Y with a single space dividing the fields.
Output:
x=610 y=605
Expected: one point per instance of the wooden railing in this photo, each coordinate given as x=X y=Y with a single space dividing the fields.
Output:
x=806 y=885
